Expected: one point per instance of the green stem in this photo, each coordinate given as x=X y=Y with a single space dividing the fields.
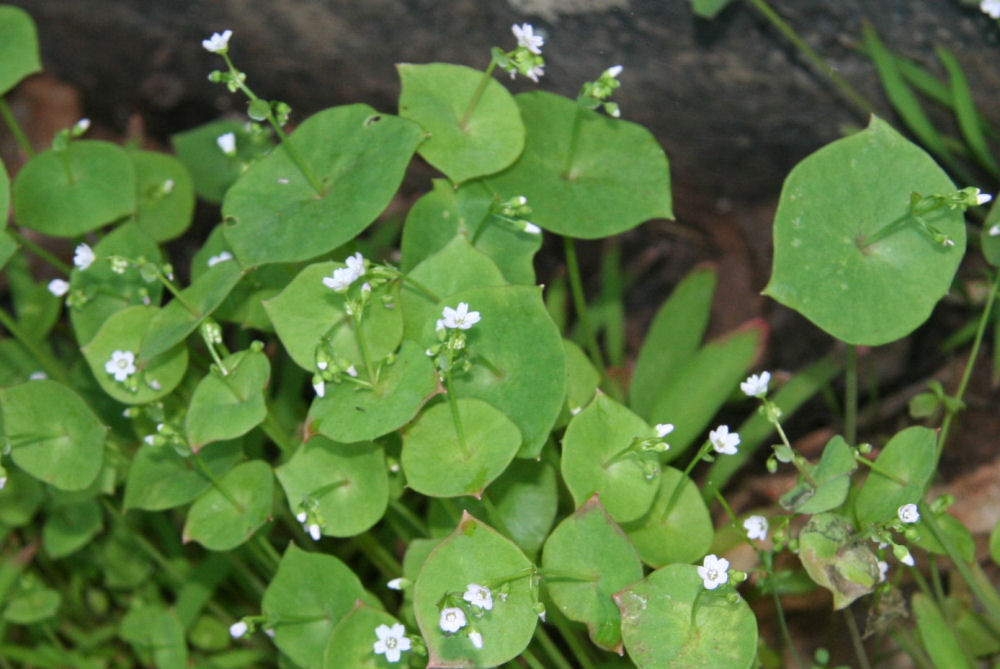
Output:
x=40 y=251
x=783 y=628
x=675 y=495
x=52 y=367
x=694 y=608
x=428 y=293
x=411 y=518
x=210 y=475
x=839 y=81
x=579 y=654
x=15 y=128
x=851 y=395
x=269 y=550
x=455 y=417
x=169 y=285
x=973 y=355
x=276 y=433
x=580 y=304
x=574 y=139
x=380 y=557
x=529 y=658
x=875 y=467
x=477 y=94
x=363 y=348
x=859 y=648
x=936 y=580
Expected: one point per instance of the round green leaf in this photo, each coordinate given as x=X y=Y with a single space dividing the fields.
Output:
x=307 y=311
x=446 y=212
x=164 y=194
x=212 y=171
x=123 y=331
x=160 y=479
x=351 y=641
x=617 y=177
x=229 y=406
x=900 y=475
x=18 y=48
x=37 y=604
x=70 y=527
x=660 y=631
x=523 y=365
x=349 y=413
x=835 y=199
x=475 y=553
x=596 y=459
x=309 y=595
x=834 y=558
x=348 y=483
x=65 y=193
x=594 y=560
x=682 y=535
x=830 y=481
x=222 y=521
x=358 y=158
x=52 y=434
x=105 y=292
x=437 y=96
x=442 y=459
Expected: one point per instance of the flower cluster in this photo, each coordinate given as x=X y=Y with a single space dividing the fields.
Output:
x=476 y=601
x=595 y=94
x=526 y=59
x=516 y=212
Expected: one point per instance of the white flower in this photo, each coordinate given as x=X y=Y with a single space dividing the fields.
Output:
x=883 y=570
x=301 y=516
x=58 y=287
x=149 y=439
x=315 y=531
x=907 y=559
x=477 y=640
x=38 y=376
x=663 y=429
x=3 y=482
x=397 y=583
x=340 y=280
x=756 y=386
x=756 y=527
x=613 y=71
x=121 y=365
x=722 y=441
x=227 y=143
x=991 y=7
x=222 y=257
x=460 y=318
x=714 y=571
x=995 y=230
x=391 y=641
x=534 y=73
x=356 y=263
x=351 y=371
x=982 y=198
x=478 y=596
x=82 y=126
x=576 y=410
x=532 y=229
x=908 y=513
x=452 y=619
x=238 y=629
x=527 y=38
x=217 y=43
x=83 y=257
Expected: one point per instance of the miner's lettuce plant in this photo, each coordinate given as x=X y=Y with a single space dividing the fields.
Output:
x=303 y=454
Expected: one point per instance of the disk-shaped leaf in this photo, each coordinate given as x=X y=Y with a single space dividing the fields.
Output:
x=830 y=204
x=900 y=476
x=356 y=155
x=221 y=521
x=830 y=481
x=309 y=595
x=835 y=559
x=164 y=194
x=213 y=171
x=446 y=212
x=18 y=48
x=519 y=365
x=457 y=266
x=461 y=144
x=683 y=534
x=123 y=331
x=352 y=638
x=475 y=553
x=597 y=560
x=155 y=632
x=229 y=406
x=68 y=192
x=52 y=433
x=670 y=620
x=348 y=413
x=616 y=178
x=598 y=458
x=348 y=483
x=35 y=605
x=442 y=459
x=70 y=527
x=160 y=479
x=174 y=322
x=108 y=292
x=307 y=311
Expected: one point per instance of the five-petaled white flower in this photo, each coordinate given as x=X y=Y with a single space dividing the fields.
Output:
x=714 y=571
x=477 y=639
x=663 y=429
x=222 y=257
x=460 y=318
x=478 y=596
x=756 y=385
x=722 y=441
x=452 y=619
x=392 y=641
x=227 y=143
x=908 y=513
x=121 y=365
x=756 y=527
x=58 y=287
x=527 y=38
x=991 y=7
x=83 y=256
x=217 y=43
x=238 y=629
x=343 y=277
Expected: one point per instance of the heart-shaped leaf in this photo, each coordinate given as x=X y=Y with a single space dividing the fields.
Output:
x=232 y=510
x=681 y=533
x=226 y=406
x=900 y=475
x=164 y=195
x=828 y=482
x=159 y=478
